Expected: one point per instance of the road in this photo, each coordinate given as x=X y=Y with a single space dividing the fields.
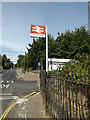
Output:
x=12 y=89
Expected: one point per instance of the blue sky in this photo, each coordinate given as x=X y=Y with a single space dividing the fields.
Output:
x=17 y=18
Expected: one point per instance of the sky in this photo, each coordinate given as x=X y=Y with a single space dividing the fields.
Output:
x=18 y=16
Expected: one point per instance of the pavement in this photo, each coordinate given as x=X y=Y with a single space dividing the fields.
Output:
x=33 y=107
x=29 y=76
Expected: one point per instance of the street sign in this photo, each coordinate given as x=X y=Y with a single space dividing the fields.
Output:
x=37 y=31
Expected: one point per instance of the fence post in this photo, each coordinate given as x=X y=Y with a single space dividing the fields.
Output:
x=41 y=64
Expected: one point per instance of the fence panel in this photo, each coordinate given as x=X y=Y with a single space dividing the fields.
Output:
x=64 y=97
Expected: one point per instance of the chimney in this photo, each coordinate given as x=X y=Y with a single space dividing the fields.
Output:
x=89 y=17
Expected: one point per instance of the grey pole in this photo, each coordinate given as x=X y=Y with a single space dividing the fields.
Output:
x=46 y=49
x=89 y=17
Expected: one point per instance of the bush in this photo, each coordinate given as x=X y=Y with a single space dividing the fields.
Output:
x=80 y=68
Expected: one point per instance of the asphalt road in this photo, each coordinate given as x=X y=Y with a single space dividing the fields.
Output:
x=12 y=88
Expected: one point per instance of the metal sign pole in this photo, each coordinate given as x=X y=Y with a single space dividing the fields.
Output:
x=46 y=49
x=89 y=17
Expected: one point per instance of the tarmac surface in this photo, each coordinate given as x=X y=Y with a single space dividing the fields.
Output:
x=21 y=96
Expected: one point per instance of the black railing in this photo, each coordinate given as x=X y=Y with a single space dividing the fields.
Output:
x=64 y=96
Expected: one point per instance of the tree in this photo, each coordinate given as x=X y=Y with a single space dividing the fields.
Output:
x=21 y=61
x=0 y=60
x=6 y=63
x=37 y=51
x=68 y=45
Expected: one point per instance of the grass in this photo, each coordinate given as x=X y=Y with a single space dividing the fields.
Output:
x=35 y=71
x=30 y=70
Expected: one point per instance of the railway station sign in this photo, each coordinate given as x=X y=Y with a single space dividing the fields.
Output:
x=37 y=31
x=41 y=31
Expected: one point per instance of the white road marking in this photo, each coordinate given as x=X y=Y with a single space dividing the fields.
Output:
x=35 y=94
x=9 y=97
x=24 y=103
x=6 y=98
x=5 y=94
x=19 y=101
x=25 y=116
x=19 y=115
x=4 y=86
x=7 y=81
x=1 y=81
x=22 y=115
x=23 y=108
x=7 y=86
x=15 y=97
x=12 y=81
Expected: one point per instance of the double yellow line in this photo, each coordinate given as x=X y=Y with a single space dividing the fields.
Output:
x=17 y=77
x=12 y=105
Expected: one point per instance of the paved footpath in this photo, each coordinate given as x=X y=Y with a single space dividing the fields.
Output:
x=33 y=107
x=29 y=76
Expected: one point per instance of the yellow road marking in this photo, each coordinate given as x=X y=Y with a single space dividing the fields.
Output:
x=7 y=111
x=28 y=95
x=17 y=77
x=12 y=105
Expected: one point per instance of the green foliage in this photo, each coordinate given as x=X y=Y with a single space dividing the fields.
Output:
x=72 y=43
x=79 y=69
x=68 y=45
x=0 y=60
x=37 y=51
x=6 y=63
x=21 y=61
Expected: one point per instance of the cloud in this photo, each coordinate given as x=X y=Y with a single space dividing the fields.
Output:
x=11 y=53
x=12 y=57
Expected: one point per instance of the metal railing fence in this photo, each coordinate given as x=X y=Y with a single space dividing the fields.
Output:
x=64 y=97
